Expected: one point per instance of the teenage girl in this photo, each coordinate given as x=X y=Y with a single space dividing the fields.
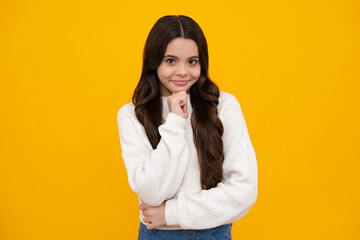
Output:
x=185 y=144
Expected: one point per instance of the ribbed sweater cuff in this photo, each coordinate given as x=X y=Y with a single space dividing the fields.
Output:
x=174 y=120
x=170 y=213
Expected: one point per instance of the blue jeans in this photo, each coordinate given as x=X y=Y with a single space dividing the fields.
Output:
x=221 y=233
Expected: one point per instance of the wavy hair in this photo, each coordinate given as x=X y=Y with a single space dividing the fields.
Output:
x=204 y=94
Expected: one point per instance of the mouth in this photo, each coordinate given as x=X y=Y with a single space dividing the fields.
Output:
x=180 y=82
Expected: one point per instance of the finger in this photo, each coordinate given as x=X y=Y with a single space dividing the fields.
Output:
x=142 y=206
x=145 y=213
x=146 y=219
x=142 y=202
x=150 y=226
x=179 y=92
x=184 y=108
x=183 y=103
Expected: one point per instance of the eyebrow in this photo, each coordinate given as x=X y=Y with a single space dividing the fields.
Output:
x=172 y=56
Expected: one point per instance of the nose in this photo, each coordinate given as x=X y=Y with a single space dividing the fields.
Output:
x=181 y=70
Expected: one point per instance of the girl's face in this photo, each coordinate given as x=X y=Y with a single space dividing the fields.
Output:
x=180 y=67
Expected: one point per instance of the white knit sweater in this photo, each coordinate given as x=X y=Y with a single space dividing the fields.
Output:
x=171 y=172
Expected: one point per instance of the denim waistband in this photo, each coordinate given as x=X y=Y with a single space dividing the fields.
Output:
x=222 y=232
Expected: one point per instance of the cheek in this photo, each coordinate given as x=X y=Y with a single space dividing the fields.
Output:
x=195 y=72
x=164 y=72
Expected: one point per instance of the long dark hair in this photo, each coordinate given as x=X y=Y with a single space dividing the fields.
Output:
x=204 y=95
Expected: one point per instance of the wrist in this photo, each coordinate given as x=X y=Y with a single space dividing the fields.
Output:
x=175 y=120
x=170 y=213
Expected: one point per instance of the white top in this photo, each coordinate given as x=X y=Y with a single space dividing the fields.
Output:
x=171 y=172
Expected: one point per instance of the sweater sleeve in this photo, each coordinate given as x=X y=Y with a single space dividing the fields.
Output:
x=154 y=174
x=231 y=199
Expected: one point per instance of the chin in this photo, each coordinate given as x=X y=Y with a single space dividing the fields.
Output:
x=181 y=89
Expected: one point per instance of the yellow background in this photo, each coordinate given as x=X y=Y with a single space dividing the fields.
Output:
x=66 y=67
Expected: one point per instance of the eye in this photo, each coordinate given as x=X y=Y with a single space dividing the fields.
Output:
x=170 y=60
x=193 y=61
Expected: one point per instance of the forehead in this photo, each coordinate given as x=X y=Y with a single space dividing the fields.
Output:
x=182 y=47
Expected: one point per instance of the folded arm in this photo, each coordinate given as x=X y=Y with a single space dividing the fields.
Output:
x=154 y=174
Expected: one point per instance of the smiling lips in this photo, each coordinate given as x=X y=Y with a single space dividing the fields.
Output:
x=180 y=82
